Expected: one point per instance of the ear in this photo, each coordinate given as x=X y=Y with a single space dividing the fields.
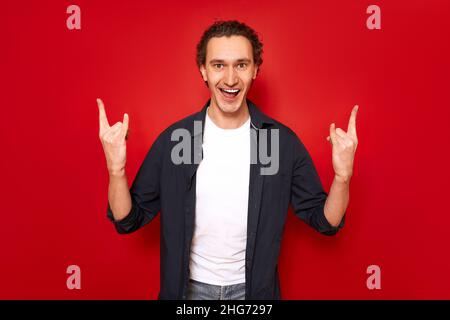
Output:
x=255 y=73
x=203 y=72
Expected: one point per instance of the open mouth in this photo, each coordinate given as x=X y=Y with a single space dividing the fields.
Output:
x=229 y=94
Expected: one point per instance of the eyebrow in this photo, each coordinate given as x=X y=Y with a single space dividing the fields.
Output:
x=223 y=61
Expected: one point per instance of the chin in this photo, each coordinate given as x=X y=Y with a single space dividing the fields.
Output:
x=229 y=107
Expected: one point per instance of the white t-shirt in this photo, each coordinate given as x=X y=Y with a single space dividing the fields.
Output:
x=220 y=235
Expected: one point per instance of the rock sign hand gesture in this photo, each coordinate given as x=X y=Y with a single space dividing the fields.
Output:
x=113 y=140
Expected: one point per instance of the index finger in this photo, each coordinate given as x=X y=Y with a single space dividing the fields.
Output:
x=352 y=122
x=125 y=125
x=104 y=124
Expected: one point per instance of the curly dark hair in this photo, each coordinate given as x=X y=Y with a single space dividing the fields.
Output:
x=229 y=28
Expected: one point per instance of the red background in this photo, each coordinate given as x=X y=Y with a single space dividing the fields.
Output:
x=139 y=57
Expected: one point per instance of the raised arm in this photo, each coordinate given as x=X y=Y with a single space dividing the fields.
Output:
x=113 y=140
x=343 y=154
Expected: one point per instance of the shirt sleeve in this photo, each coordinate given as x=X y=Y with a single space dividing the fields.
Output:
x=145 y=193
x=307 y=194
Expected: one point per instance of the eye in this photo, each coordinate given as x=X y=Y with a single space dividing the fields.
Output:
x=242 y=65
x=218 y=65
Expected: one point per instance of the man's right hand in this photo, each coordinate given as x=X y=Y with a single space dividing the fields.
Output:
x=113 y=140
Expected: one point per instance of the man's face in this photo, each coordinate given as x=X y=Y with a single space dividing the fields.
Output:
x=229 y=70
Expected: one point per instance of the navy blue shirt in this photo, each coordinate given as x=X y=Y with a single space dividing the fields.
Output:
x=163 y=186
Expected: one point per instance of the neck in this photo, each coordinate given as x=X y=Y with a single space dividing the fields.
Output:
x=228 y=120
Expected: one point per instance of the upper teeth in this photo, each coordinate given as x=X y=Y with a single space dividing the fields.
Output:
x=231 y=90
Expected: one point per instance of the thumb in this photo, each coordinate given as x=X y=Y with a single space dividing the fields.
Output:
x=332 y=133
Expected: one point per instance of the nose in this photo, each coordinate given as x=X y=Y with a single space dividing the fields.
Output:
x=231 y=78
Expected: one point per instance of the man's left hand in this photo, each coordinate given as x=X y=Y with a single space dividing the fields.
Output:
x=344 y=147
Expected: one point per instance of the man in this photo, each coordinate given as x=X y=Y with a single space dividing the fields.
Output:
x=222 y=216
